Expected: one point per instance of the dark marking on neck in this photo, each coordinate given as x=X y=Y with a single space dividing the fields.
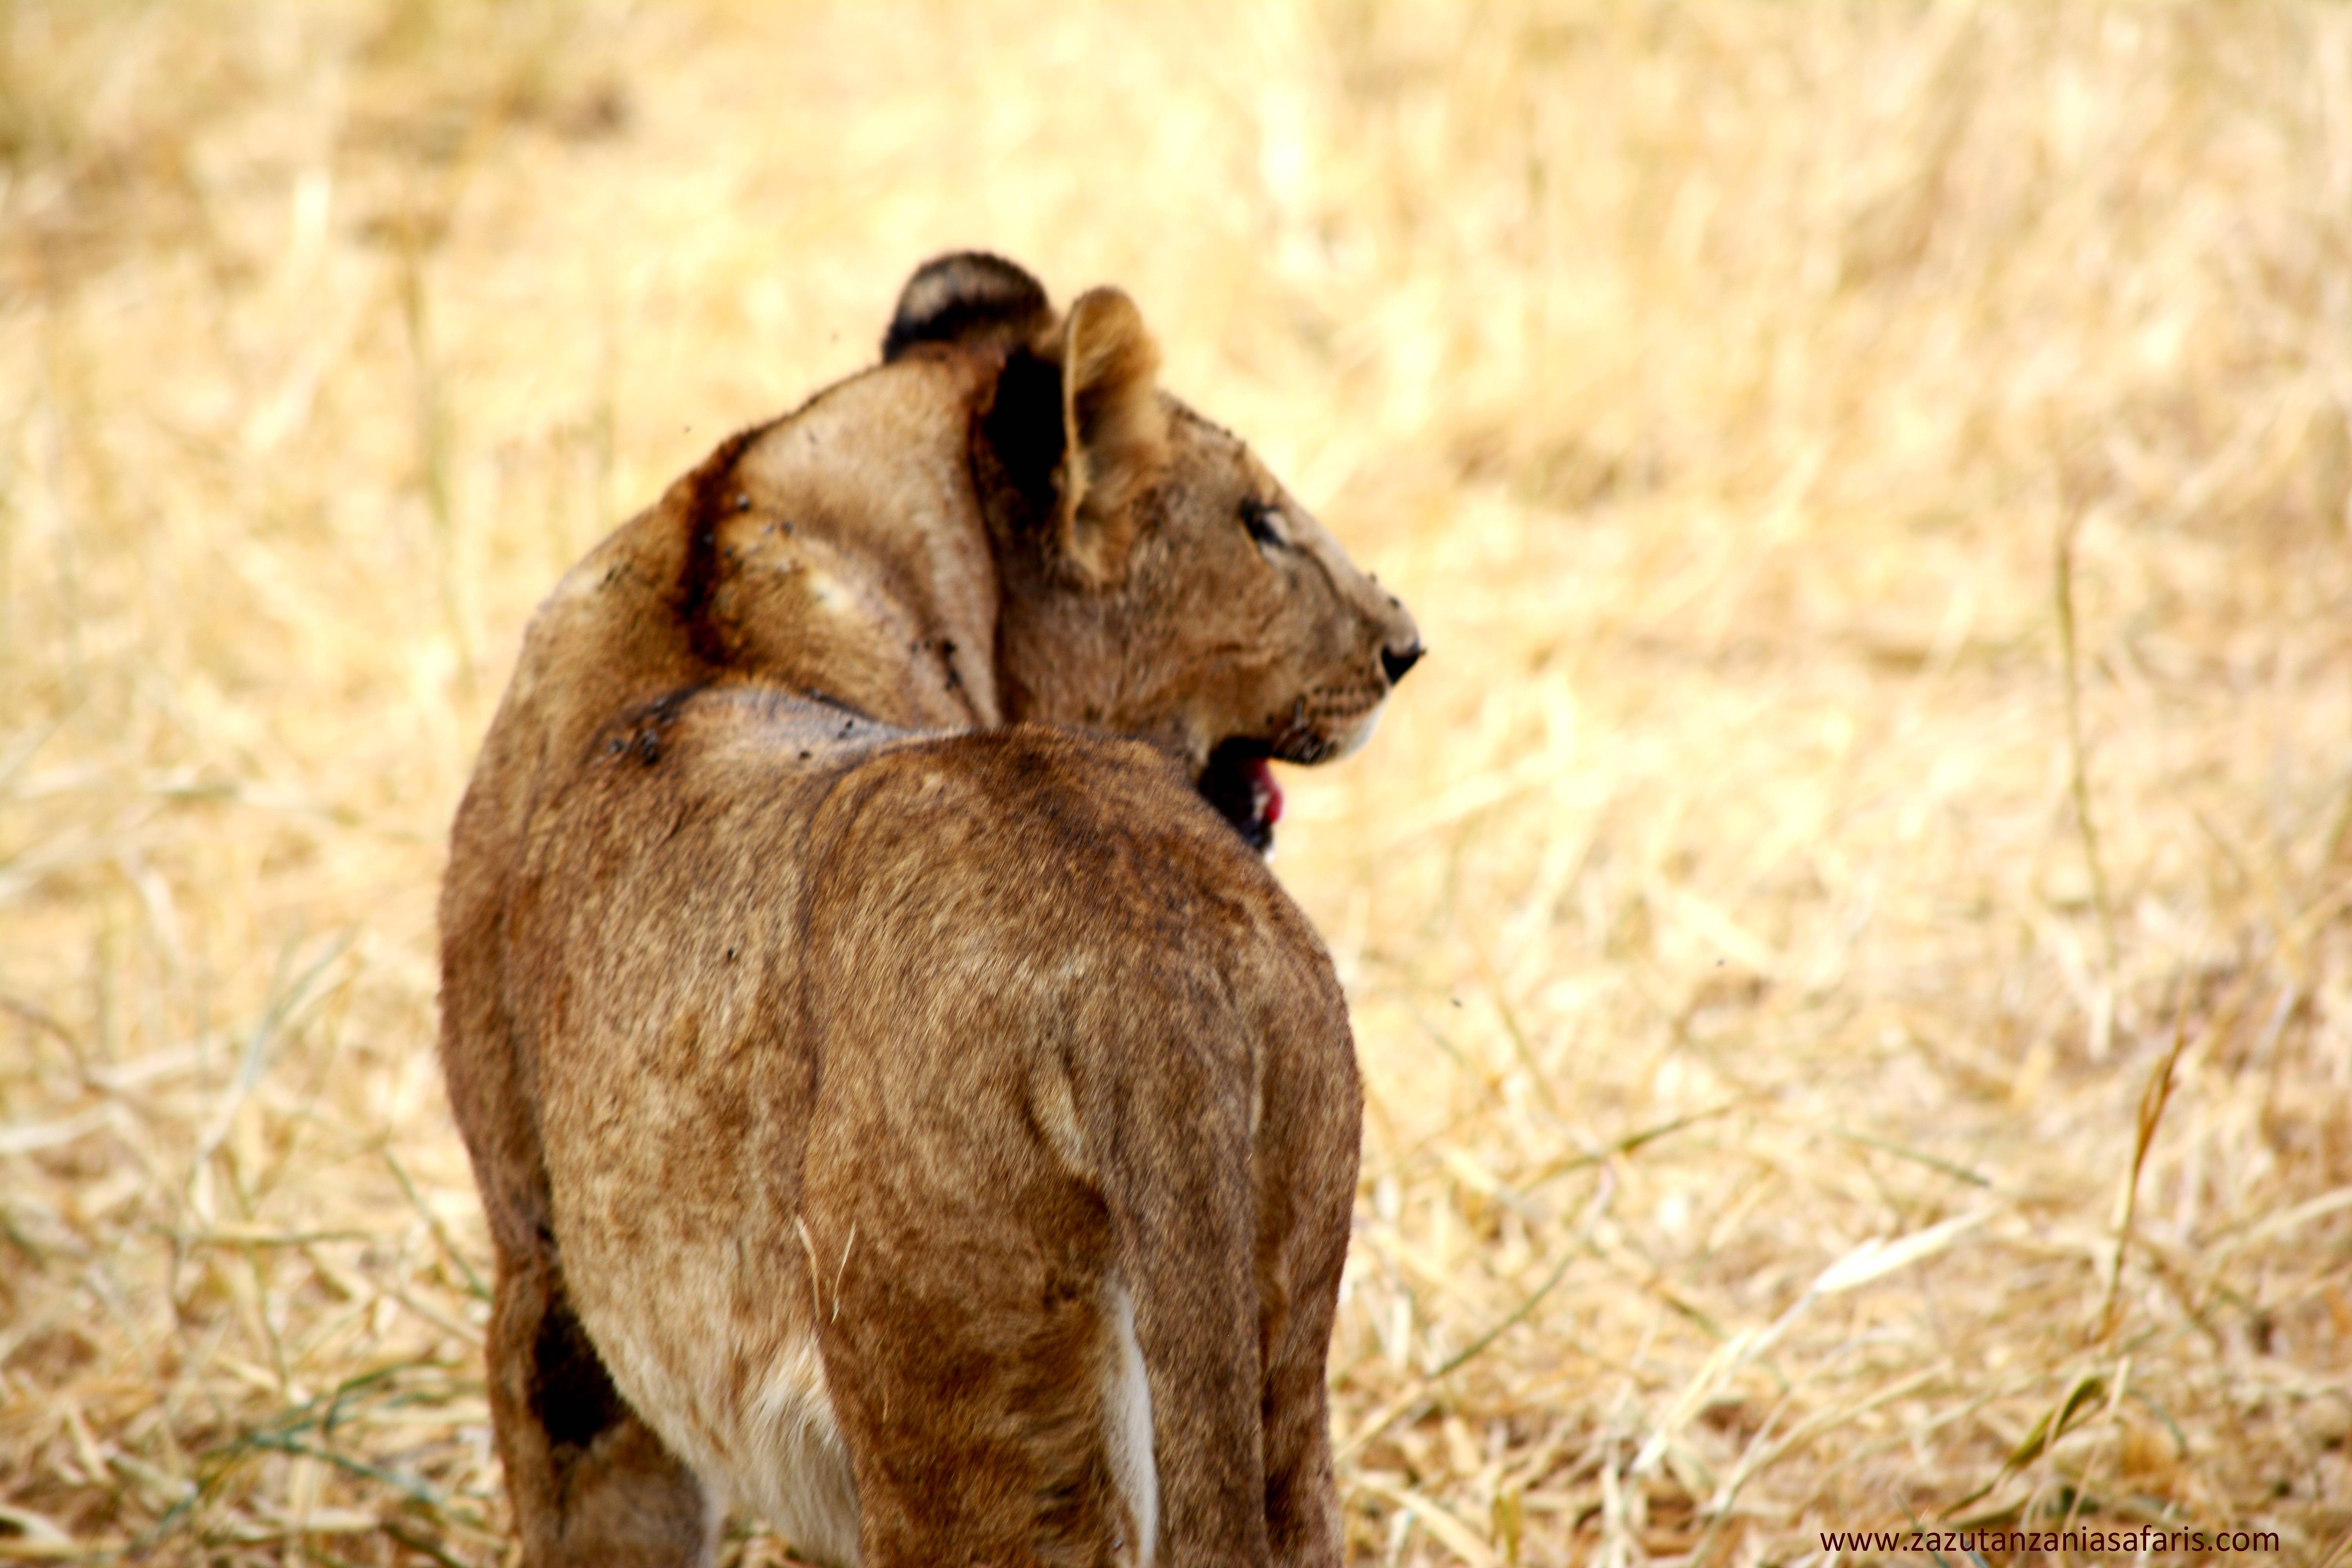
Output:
x=711 y=494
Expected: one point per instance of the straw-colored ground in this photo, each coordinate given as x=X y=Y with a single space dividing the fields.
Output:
x=1850 y=1041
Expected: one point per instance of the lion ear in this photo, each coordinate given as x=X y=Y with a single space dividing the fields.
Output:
x=972 y=300
x=1114 y=432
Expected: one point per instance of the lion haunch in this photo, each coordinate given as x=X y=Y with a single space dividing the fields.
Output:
x=903 y=1102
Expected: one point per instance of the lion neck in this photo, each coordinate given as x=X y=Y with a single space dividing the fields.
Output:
x=841 y=552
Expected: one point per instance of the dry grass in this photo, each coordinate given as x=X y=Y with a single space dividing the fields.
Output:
x=1826 y=1067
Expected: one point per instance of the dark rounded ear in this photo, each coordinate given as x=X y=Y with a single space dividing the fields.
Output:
x=1114 y=432
x=970 y=299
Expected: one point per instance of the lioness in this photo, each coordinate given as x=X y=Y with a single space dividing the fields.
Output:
x=903 y=1101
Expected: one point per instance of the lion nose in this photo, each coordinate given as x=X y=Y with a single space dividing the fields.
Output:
x=1395 y=661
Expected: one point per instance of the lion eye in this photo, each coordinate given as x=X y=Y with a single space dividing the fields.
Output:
x=1265 y=524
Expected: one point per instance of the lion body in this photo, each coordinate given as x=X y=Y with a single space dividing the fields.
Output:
x=896 y=1109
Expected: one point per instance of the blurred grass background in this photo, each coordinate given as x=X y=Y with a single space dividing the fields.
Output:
x=1848 y=930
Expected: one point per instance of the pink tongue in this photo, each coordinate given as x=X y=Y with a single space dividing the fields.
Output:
x=1265 y=796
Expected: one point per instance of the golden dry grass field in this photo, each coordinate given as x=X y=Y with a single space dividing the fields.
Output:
x=1849 y=931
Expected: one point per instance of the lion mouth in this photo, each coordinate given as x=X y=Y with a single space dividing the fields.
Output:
x=1239 y=782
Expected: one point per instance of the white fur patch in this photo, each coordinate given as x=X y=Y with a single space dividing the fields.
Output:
x=794 y=1467
x=773 y=1446
x=1355 y=739
x=1127 y=1428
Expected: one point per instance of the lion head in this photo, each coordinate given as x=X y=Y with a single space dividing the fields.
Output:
x=1159 y=580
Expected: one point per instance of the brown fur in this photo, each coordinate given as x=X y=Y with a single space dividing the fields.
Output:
x=853 y=1032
